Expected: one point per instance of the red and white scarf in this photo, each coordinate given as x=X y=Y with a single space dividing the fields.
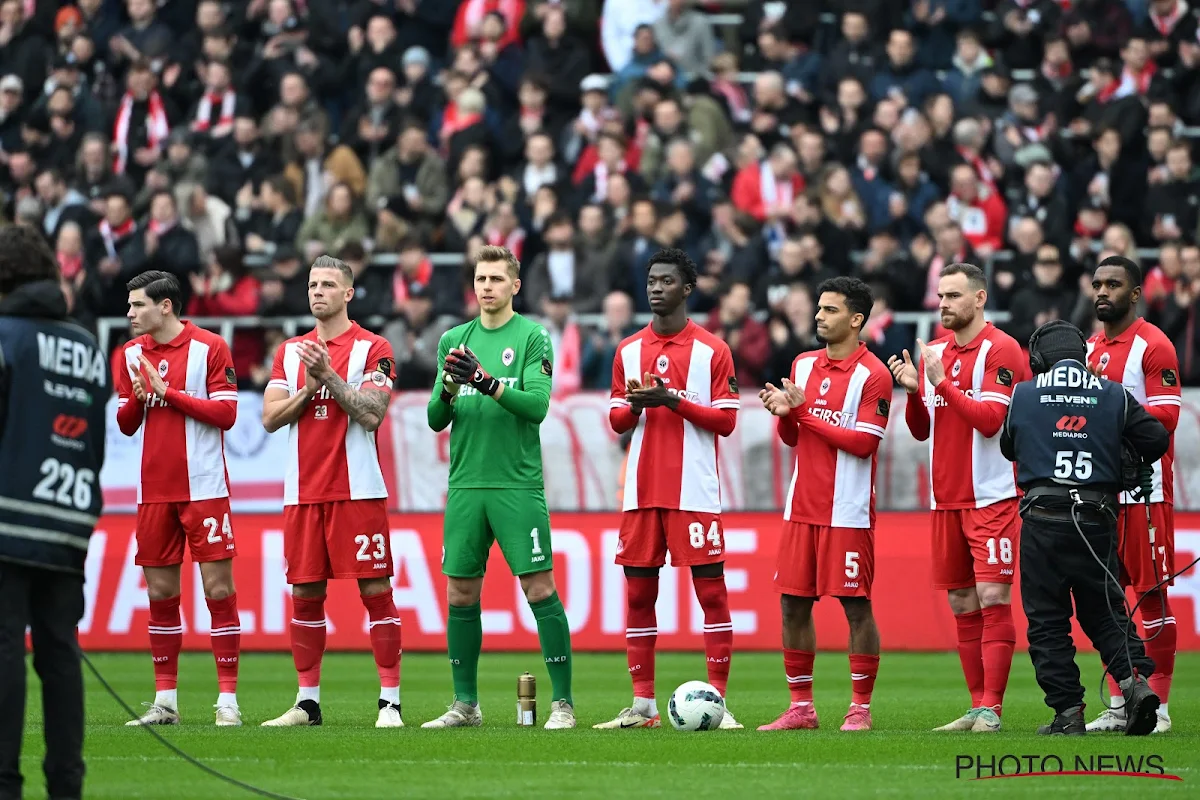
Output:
x=979 y=165
x=514 y=241
x=600 y=173
x=475 y=10
x=452 y=122
x=401 y=280
x=157 y=128
x=1164 y=25
x=1108 y=92
x=159 y=228
x=112 y=235
x=735 y=97
x=204 y=111
x=775 y=194
x=1132 y=84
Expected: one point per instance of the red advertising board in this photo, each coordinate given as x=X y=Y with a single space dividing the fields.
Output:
x=911 y=615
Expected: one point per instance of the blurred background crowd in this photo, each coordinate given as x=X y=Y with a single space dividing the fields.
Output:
x=779 y=143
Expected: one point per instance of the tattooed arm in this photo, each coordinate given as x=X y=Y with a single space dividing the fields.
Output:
x=367 y=407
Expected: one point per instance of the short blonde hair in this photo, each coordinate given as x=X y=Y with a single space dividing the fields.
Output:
x=492 y=253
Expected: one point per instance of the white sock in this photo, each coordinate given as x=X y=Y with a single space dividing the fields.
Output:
x=799 y=703
x=390 y=694
x=309 y=693
x=1162 y=709
x=227 y=700
x=646 y=706
x=167 y=699
x=1117 y=702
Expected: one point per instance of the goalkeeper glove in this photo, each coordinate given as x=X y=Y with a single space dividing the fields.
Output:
x=464 y=368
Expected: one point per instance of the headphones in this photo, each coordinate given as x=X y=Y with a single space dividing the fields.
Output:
x=1036 y=362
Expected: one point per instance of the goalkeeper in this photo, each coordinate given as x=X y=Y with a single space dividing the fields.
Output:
x=495 y=391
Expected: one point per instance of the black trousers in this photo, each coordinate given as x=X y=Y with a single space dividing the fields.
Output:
x=1056 y=565
x=50 y=603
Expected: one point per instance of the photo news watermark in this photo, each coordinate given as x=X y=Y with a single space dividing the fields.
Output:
x=1011 y=765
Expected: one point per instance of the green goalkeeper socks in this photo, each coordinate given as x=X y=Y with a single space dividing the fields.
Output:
x=464 y=639
x=554 y=633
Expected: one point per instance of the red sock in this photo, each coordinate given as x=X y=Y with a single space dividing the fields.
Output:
x=1157 y=619
x=863 y=669
x=166 y=637
x=385 y=637
x=999 y=639
x=641 y=633
x=226 y=637
x=308 y=638
x=798 y=668
x=970 y=653
x=718 y=629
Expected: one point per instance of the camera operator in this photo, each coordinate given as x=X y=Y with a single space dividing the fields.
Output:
x=53 y=393
x=1078 y=441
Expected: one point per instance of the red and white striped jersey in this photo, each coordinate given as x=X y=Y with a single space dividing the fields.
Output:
x=962 y=418
x=1144 y=360
x=834 y=485
x=339 y=457
x=673 y=462
x=183 y=457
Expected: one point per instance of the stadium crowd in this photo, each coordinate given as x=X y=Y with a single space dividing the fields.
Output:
x=232 y=142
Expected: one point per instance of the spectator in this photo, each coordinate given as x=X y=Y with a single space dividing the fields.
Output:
x=766 y=190
x=1048 y=298
x=340 y=223
x=1020 y=28
x=373 y=294
x=600 y=348
x=372 y=126
x=112 y=256
x=207 y=217
x=23 y=52
x=242 y=164
x=566 y=270
x=213 y=115
x=277 y=221
x=225 y=288
x=686 y=37
x=141 y=124
x=619 y=22
x=468 y=23
x=901 y=77
x=565 y=340
x=883 y=335
x=747 y=338
x=62 y=204
x=68 y=247
x=799 y=263
x=791 y=330
x=283 y=289
x=1171 y=211
x=978 y=209
x=565 y=62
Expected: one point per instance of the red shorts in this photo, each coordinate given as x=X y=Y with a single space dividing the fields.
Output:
x=648 y=534
x=820 y=561
x=975 y=545
x=337 y=539
x=1144 y=564
x=163 y=527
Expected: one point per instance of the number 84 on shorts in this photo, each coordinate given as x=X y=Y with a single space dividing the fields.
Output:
x=691 y=537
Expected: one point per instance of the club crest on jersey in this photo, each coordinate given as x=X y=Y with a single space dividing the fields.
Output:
x=957 y=368
x=162 y=368
x=1103 y=362
x=507 y=356
x=662 y=364
x=825 y=384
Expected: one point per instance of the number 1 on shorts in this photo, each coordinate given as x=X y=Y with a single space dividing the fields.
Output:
x=537 y=544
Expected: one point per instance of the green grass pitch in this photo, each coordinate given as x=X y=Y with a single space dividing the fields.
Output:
x=349 y=758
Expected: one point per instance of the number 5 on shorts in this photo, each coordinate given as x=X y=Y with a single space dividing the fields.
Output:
x=697 y=537
x=851 y=564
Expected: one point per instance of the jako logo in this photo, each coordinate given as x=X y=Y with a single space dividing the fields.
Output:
x=1071 y=423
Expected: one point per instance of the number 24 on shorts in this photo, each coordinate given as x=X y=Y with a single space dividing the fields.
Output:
x=226 y=530
x=697 y=537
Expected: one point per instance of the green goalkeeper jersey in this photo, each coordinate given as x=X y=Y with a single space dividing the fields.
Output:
x=496 y=444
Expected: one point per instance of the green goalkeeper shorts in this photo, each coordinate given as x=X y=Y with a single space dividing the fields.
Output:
x=515 y=518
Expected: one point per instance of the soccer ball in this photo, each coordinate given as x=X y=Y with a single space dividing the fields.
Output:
x=696 y=706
